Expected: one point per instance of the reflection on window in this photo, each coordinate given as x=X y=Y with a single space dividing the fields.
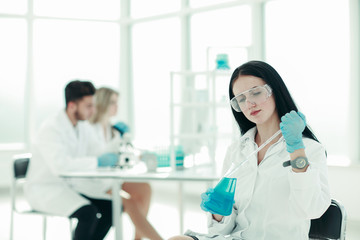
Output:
x=12 y=77
x=156 y=52
x=95 y=9
x=312 y=55
x=67 y=50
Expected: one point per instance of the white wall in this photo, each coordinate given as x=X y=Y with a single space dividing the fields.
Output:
x=344 y=184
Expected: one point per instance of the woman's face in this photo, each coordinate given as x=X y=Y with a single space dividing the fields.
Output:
x=113 y=105
x=258 y=113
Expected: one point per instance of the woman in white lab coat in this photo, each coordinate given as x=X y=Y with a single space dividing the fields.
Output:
x=137 y=206
x=271 y=201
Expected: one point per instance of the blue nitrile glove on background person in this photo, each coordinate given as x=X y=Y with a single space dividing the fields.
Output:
x=292 y=125
x=121 y=127
x=107 y=160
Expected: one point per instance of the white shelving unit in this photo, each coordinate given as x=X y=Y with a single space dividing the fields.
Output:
x=197 y=98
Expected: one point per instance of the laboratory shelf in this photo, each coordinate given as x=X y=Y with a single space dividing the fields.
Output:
x=198 y=100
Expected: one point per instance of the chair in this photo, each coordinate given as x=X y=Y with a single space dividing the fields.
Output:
x=331 y=225
x=20 y=167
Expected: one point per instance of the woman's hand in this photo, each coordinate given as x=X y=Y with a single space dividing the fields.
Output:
x=217 y=217
x=292 y=125
x=205 y=197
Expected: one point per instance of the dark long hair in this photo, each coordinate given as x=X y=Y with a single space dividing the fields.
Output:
x=283 y=100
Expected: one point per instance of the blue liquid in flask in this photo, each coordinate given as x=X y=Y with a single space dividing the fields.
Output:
x=222 y=199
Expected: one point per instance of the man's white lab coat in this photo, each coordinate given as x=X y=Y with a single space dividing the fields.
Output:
x=60 y=147
x=273 y=202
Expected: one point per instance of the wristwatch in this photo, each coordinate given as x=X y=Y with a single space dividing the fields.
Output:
x=298 y=163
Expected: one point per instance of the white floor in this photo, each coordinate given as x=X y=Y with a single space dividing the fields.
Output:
x=163 y=215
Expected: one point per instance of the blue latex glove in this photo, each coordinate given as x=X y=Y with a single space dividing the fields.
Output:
x=292 y=125
x=121 y=127
x=205 y=198
x=107 y=159
x=216 y=202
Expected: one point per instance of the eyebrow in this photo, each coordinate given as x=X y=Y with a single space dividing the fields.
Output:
x=247 y=90
x=254 y=87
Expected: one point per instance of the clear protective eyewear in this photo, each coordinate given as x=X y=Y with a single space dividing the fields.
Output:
x=256 y=95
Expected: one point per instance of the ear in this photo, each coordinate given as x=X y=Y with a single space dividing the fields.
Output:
x=71 y=106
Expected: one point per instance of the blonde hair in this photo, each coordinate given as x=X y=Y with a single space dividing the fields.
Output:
x=102 y=103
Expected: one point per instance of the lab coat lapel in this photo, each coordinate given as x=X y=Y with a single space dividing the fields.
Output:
x=69 y=128
x=276 y=148
x=246 y=146
x=249 y=142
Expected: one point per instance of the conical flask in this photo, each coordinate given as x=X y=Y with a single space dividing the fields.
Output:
x=221 y=199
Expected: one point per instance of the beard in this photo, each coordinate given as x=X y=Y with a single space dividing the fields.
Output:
x=79 y=116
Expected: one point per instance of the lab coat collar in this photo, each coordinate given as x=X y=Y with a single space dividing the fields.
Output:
x=247 y=141
x=64 y=118
x=249 y=136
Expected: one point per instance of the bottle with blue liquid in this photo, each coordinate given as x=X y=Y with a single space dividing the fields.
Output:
x=222 y=62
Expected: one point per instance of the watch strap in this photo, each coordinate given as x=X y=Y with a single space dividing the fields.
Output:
x=293 y=163
x=287 y=163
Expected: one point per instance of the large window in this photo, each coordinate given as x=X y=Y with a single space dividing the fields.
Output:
x=310 y=48
x=94 y=9
x=212 y=30
x=13 y=49
x=42 y=49
x=140 y=8
x=133 y=45
x=156 y=52
x=68 y=50
x=13 y=7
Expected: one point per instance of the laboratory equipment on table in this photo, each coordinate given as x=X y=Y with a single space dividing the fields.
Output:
x=150 y=160
x=127 y=153
x=221 y=199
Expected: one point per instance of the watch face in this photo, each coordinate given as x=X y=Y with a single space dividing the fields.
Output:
x=300 y=163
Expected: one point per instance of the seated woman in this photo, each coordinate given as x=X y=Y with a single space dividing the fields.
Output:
x=275 y=198
x=137 y=206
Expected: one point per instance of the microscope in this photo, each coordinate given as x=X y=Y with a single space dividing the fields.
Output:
x=127 y=158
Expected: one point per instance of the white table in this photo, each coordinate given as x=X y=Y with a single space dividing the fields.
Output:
x=139 y=174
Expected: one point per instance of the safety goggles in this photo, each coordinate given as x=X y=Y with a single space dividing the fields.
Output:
x=256 y=95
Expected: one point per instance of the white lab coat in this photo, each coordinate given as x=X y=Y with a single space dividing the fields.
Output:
x=60 y=147
x=109 y=142
x=273 y=202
